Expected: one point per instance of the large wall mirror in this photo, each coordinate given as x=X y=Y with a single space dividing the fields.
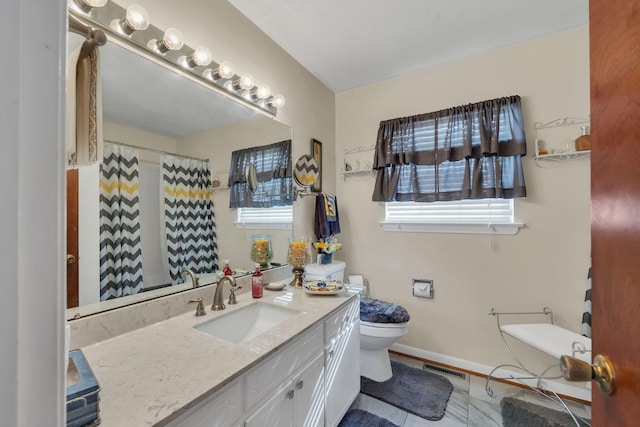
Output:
x=147 y=105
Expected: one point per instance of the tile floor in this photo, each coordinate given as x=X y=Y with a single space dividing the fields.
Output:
x=469 y=404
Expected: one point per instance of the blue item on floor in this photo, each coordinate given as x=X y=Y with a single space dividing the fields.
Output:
x=377 y=311
x=362 y=418
x=82 y=394
x=413 y=390
x=516 y=412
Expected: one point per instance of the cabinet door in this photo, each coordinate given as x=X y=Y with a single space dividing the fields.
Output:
x=261 y=381
x=342 y=373
x=277 y=411
x=221 y=410
x=308 y=403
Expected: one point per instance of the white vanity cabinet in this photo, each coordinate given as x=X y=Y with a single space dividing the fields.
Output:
x=279 y=391
x=296 y=403
x=342 y=362
x=309 y=382
x=224 y=409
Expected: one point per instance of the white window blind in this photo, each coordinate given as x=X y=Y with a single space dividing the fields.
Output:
x=278 y=217
x=477 y=216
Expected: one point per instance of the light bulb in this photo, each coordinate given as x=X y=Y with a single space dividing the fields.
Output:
x=277 y=101
x=137 y=17
x=228 y=85
x=246 y=81
x=225 y=70
x=95 y=3
x=87 y=5
x=173 y=39
x=263 y=92
x=201 y=56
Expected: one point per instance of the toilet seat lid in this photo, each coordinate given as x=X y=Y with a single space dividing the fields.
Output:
x=377 y=311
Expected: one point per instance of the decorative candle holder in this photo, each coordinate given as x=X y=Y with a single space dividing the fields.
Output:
x=261 y=250
x=298 y=257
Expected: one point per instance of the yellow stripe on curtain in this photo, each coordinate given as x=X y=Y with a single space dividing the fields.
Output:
x=201 y=194
x=122 y=187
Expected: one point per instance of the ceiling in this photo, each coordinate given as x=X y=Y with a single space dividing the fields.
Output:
x=351 y=43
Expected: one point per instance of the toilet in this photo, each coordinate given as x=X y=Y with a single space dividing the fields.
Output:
x=333 y=271
x=381 y=323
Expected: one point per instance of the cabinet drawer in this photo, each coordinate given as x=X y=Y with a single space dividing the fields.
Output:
x=261 y=380
x=344 y=317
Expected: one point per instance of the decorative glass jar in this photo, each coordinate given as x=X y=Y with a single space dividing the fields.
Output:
x=298 y=256
x=261 y=249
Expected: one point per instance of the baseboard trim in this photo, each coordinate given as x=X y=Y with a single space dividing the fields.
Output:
x=567 y=391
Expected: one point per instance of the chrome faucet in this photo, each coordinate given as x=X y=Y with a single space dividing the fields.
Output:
x=194 y=279
x=218 y=303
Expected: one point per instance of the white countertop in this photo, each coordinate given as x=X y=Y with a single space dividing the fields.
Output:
x=160 y=370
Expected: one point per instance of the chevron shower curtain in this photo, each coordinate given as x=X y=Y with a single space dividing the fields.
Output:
x=189 y=218
x=120 y=245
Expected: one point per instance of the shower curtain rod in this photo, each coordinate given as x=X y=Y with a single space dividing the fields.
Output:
x=154 y=150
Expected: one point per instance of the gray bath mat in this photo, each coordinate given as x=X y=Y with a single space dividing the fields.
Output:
x=361 y=418
x=518 y=413
x=413 y=390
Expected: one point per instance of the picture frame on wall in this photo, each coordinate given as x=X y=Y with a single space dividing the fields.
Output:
x=316 y=153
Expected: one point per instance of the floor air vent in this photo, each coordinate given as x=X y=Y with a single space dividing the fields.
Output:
x=444 y=370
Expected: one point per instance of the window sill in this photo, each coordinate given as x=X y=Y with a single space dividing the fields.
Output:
x=264 y=225
x=409 y=227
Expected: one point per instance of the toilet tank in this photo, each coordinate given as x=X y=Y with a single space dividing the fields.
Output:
x=333 y=271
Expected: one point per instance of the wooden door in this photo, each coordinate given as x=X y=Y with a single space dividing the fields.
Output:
x=615 y=203
x=73 y=299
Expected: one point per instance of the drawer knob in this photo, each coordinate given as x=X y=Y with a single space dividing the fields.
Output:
x=290 y=394
x=300 y=384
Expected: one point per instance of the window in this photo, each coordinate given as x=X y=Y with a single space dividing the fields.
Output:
x=471 y=151
x=273 y=174
x=279 y=217
x=477 y=216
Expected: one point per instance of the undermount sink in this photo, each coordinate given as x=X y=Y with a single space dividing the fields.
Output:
x=246 y=323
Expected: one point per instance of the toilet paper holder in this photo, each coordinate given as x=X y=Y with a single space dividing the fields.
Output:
x=422 y=288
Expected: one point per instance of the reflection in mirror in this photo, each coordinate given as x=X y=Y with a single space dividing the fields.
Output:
x=252 y=177
x=148 y=106
x=306 y=170
x=305 y=174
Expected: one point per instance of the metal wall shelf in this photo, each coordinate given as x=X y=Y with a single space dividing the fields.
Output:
x=564 y=155
x=367 y=170
x=558 y=157
x=364 y=172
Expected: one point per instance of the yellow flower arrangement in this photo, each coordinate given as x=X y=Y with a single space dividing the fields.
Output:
x=327 y=245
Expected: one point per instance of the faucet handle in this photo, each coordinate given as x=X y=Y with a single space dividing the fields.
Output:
x=200 y=307
x=232 y=295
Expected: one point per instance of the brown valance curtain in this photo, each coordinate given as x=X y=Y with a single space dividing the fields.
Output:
x=468 y=152
x=273 y=170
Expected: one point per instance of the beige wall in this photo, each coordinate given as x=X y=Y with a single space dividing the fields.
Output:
x=544 y=265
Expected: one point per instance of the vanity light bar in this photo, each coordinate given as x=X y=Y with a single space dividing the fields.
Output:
x=172 y=53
